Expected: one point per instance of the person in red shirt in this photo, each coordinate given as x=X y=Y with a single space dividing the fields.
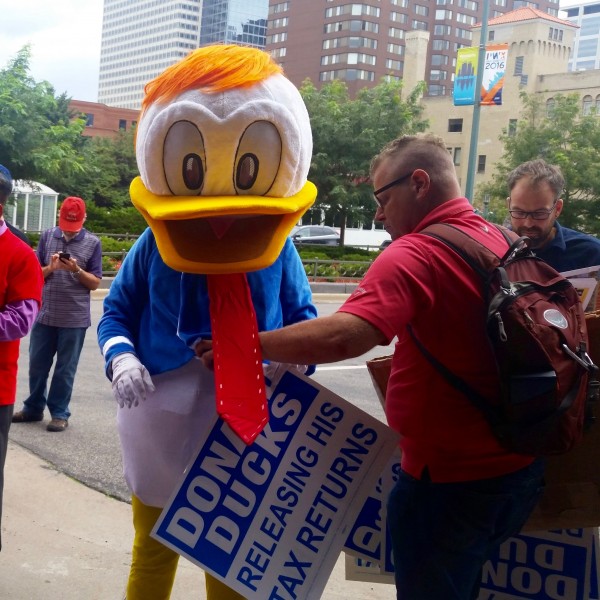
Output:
x=459 y=493
x=21 y=284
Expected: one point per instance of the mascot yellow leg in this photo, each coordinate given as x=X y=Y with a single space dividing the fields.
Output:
x=153 y=565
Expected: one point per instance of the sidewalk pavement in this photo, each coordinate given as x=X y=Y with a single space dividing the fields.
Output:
x=64 y=541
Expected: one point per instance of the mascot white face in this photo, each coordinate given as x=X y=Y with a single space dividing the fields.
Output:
x=223 y=158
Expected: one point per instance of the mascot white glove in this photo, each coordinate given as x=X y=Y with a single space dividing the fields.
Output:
x=131 y=381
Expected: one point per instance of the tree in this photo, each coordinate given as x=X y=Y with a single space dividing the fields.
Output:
x=347 y=133
x=110 y=167
x=39 y=139
x=561 y=135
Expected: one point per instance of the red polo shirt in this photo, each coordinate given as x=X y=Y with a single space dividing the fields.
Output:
x=20 y=279
x=419 y=280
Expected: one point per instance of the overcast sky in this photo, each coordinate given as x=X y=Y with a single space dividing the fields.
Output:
x=65 y=41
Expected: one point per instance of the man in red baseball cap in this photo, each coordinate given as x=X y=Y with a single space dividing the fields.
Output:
x=72 y=214
x=71 y=259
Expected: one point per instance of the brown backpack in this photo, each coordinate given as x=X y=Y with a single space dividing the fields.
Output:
x=536 y=327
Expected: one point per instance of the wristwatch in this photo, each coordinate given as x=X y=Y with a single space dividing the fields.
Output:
x=75 y=274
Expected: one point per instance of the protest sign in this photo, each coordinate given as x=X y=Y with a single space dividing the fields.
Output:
x=270 y=519
x=549 y=565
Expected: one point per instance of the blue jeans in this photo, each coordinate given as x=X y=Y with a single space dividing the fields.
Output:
x=46 y=341
x=443 y=533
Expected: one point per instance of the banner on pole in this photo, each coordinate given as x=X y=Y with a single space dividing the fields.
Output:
x=465 y=76
x=493 y=74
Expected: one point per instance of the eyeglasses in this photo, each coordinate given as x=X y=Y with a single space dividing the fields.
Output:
x=392 y=184
x=537 y=215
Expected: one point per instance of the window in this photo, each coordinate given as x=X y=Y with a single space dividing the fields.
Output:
x=512 y=127
x=393 y=64
x=588 y=47
x=279 y=52
x=122 y=124
x=437 y=75
x=468 y=19
x=455 y=125
x=395 y=49
x=519 y=65
x=422 y=10
x=439 y=59
x=550 y=107
x=398 y=17
x=457 y=156
x=587 y=105
x=442 y=30
x=394 y=32
x=440 y=45
x=435 y=89
x=466 y=34
x=481 y=163
x=281 y=7
x=491 y=35
x=422 y=25
x=89 y=120
x=442 y=15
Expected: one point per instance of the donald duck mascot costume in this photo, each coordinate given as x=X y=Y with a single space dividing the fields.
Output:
x=223 y=148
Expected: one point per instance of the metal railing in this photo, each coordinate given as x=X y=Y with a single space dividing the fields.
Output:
x=316 y=269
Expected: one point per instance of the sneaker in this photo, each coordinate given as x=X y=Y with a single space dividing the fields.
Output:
x=26 y=417
x=57 y=425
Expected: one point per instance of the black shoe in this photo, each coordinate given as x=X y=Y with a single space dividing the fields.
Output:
x=57 y=425
x=25 y=417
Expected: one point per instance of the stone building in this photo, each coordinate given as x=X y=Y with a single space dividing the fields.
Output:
x=539 y=47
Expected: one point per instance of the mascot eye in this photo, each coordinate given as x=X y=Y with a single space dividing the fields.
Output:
x=193 y=172
x=184 y=159
x=257 y=159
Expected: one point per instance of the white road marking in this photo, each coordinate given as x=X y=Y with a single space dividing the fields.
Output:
x=341 y=368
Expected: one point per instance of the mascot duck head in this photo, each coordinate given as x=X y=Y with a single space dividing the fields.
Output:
x=223 y=148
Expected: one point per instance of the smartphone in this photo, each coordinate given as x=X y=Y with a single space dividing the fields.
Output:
x=64 y=255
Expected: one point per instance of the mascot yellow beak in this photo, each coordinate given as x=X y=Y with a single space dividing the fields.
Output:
x=220 y=234
x=223 y=156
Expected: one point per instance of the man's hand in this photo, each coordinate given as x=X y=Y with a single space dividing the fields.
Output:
x=62 y=264
x=131 y=381
x=203 y=350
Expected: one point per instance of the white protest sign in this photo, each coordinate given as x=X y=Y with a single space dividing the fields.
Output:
x=549 y=565
x=270 y=519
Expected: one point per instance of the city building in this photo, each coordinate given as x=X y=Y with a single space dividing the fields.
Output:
x=586 y=52
x=361 y=43
x=539 y=47
x=102 y=120
x=141 y=38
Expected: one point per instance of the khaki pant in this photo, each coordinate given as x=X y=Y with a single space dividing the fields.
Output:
x=153 y=565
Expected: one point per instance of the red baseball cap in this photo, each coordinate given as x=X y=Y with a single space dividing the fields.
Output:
x=72 y=214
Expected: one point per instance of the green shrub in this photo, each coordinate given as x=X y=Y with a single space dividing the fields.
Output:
x=110 y=244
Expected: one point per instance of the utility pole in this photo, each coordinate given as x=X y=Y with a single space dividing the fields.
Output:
x=477 y=104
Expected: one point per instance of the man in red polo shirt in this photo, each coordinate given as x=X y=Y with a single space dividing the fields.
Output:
x=20 y=298
x=459 y=494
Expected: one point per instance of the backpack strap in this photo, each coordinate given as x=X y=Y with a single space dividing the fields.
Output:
x=483 y=261
x=457 y=382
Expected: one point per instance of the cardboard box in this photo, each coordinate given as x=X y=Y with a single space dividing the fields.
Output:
x=572 y=496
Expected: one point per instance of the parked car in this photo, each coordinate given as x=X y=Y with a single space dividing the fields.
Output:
x=385 y=244
x=315 y=234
